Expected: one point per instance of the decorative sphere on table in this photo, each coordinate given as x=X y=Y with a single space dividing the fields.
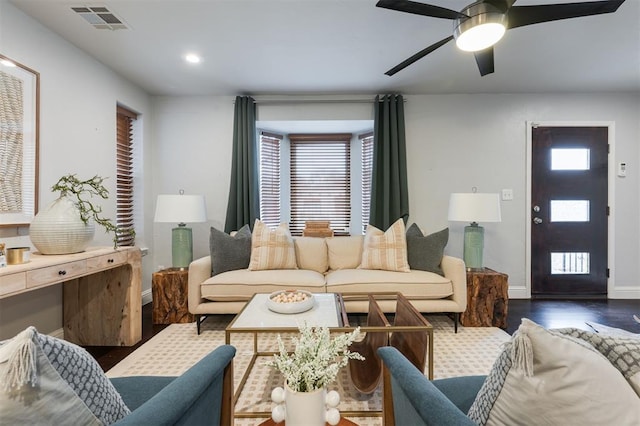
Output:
x=333 y=399
x=333 y=416
x=277 y=395
x=278 y=413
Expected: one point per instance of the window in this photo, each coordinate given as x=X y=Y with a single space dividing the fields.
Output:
x=316 y=177
x=320 y=180
x=270 y=178
x=367 y=169
x=124 y=177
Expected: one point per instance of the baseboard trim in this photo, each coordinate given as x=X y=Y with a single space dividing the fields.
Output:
x=625 y=293
x=147 y=297
x=518 y=293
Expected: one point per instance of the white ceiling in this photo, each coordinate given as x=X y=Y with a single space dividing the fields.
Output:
x=294 y=47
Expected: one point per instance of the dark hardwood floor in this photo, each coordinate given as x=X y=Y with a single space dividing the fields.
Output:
x=553 y=313
x=548 y=313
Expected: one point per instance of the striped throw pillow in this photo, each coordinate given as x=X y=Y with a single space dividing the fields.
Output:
x=385 y=250
x=271 y=248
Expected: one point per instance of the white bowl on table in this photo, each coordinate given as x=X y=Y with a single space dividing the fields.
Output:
x=291 y=307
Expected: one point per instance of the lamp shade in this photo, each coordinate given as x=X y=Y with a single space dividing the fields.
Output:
x=474 y=207
x=180 y=209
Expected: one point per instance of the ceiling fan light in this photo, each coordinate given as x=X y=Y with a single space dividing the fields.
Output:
x=480 y=37
x=481 y=26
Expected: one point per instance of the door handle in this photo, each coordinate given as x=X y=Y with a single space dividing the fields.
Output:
x=536 y=209
x=537 y=220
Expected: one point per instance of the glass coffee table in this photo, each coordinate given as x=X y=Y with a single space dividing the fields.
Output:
x=263 y=326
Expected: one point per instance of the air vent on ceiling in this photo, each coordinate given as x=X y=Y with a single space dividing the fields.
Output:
x=100 y=17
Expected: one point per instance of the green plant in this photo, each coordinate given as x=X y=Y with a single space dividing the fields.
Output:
x=84 y=191
x=316 y=359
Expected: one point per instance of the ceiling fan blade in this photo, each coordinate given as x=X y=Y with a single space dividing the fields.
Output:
x=420 y=9
x=484 y=59
x=421 y=54
x=519 y=16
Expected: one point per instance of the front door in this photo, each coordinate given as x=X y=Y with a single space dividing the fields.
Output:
x=569 y=211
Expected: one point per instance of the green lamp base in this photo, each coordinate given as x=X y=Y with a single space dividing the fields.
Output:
x=181 y=246
x=473 y=246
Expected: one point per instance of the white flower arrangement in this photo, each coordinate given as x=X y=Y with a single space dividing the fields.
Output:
x=316 y=360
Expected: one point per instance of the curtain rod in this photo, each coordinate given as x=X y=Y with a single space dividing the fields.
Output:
x=314 y=101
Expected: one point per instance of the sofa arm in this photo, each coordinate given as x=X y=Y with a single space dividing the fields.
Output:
x=202 y=395
x=454 y=269
x=199 y=272
x=416 y=401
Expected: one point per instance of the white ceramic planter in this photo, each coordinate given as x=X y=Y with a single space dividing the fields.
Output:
x=305 y=408
x=58 y=229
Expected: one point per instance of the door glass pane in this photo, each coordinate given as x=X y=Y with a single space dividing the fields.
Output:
x=569 y=210
x=569 y=263
x=570 y=159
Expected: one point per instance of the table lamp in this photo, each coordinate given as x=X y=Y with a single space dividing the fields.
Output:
x=474 y=208
x=181 y=209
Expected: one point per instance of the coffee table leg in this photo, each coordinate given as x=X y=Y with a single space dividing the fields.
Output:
x=430 y=334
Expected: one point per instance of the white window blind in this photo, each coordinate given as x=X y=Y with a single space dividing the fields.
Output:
x=124 y=177
x=320 y=181
x=270 y=178
x=367 y=169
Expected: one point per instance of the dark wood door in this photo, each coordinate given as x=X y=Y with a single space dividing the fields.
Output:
x=570 y=213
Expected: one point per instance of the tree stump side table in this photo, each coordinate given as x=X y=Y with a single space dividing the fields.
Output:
x=487 y=299
x=169 y=288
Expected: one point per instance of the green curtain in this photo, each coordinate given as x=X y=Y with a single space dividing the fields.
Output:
x=389 y=191
x=244 y=197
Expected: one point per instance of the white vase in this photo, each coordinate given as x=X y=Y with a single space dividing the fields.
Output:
x=304 y=408
x=58 y=228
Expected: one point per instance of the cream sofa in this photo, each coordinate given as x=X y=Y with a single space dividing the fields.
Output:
x=329 y=265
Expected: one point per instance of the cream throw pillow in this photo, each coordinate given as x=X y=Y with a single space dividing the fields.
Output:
x=345 y=252
x=546 y=378
x=271 y=248
x=311 y=253
x=385 y=250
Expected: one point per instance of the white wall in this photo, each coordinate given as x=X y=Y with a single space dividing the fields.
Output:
x=78 y=98
x=454 y=142
x=192 y=151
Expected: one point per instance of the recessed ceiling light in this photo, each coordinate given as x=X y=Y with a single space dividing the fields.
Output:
x=192 y=58
x=7 y=63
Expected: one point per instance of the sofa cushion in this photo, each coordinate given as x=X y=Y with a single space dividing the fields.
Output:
x=311 y=253
x=242 y=284
x=344 y=252
x=425 y=253
x=271 y=248
x=229 y=253
x=544 y=377
x=47 y=378
x=385 y=250
x=413 y=284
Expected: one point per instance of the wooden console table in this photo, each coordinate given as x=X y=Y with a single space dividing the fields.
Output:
x=102 y=296
x=487 y=299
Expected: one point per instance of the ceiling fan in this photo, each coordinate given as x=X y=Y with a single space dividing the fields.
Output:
x=480 y=25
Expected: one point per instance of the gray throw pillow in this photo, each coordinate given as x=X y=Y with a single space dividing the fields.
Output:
x=45 y=380
x=85 y=376
x=230 y=253
x=424 y=253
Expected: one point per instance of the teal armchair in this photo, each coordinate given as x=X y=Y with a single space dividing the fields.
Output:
x=410 y=399
x=200 y=396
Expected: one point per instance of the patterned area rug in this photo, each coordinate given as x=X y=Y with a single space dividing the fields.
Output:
x=471 y=351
